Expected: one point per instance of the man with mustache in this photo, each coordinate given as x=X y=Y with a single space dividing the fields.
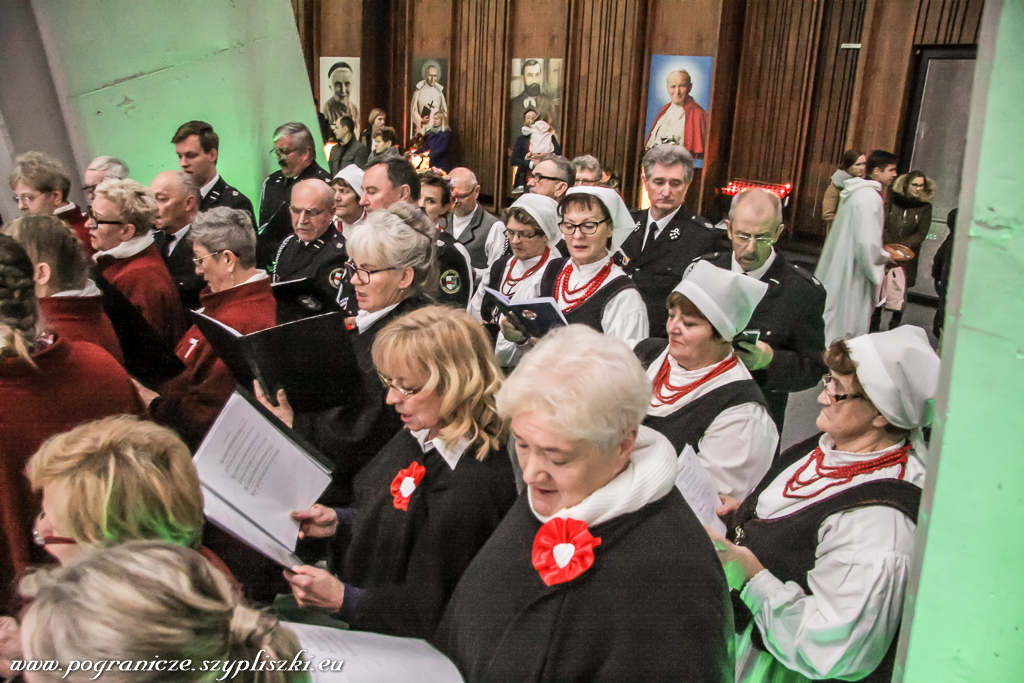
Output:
x=295 y=152
x=531 y=98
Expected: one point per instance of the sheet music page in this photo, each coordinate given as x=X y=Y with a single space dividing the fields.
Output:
x=371 y=657
x=700 y=493
x=231 y=520
x=254 y=467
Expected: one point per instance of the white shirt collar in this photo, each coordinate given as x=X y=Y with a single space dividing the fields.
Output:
x=459 y=225
x=757 y=273
x=364 y=319
x=259 y=275
x=591 y=269
x=649 y=476
x=205 y=189
x=661 y=223
x=135 y=245
x=90 y=289
x=348 y=226
x=451 y=455
x=66 y=207
x=178 y=236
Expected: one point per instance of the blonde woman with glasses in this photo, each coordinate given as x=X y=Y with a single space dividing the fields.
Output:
x=432 y=497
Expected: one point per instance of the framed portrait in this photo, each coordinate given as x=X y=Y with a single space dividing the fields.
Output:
x=429 y=96
x=536 y=85
x=678 y=103
x=339 y=89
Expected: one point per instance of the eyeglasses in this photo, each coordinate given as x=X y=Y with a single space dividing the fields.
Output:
x=587 y=228
x=514 y=235
x=390 y=384
x=26 y=198
x=538 y=177
x=281 y=153
x=361 y=276
x=98 y=221
x=835 y=398
x=198 y=260
x=760 y=240
x=310 y=213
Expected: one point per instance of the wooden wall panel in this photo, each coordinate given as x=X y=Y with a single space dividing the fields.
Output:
x=479 y=88
x=431 y=28
x=603 y=89
x=948 y=22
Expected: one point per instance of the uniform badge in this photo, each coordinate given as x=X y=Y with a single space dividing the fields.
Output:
x=625 y=260
x=636 y=227
x=451 y=283
x=336 y=277
x=673 y=234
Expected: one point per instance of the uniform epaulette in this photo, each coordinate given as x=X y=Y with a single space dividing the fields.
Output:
x=807 y=275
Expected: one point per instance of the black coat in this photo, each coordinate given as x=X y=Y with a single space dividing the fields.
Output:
x=222 y=194
x=355 y=152
x=275 y=222
x=351 y=436
x=653 y=607
x=660 y=267
x=408 y=562
x=322 y=260
x=182 y=268
x=790 y=319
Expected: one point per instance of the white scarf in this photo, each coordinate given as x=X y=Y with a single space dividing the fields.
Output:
x=90 y=289
x=649 y=476
x=135 y=245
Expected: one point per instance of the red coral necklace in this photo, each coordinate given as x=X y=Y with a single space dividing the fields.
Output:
x=564 y=293
x=666 y=393
x=841 y=474
x=508 y=287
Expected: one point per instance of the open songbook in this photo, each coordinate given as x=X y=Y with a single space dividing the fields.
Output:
x=694 y=482
x=254 y=473
x=361 y=657
x=311 y=359
x=533 y=317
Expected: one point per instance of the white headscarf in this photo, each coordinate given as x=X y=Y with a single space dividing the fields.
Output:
x=544 y=210
x=726 y=299
x=622 y=222
x=353 y=175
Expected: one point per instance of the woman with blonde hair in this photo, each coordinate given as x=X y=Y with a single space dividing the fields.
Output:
x=147 y=605
x=437 y=142
x=432 y=497
x=47 y=385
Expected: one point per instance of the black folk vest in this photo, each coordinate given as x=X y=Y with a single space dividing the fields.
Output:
x=591 y=311
x=787 y=545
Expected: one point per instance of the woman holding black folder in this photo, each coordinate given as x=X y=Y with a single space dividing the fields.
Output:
x=432 y=497
x=392 y=256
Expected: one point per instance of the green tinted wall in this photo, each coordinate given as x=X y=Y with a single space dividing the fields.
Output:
x=135 y=70
x=968 y=608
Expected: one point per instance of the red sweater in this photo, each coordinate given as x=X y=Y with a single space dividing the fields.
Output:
x=74 y=383
x=144 y=279
x=81 y=318
x=77 y=219
x=190 y=402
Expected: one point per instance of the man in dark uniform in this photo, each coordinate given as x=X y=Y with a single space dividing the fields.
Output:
x=668 y=236
x=197 y=147
x=393 y=179
x=296 y=155
x=314 y=253
x=177 y=201
x=789 y=318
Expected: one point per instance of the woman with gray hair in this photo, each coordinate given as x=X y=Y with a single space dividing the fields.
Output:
x=392 y=260
x=600 y=572
x=147 y=605
x=237 y=295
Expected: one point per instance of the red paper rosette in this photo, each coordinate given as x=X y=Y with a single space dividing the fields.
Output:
x=563 y=549
x=405 y=484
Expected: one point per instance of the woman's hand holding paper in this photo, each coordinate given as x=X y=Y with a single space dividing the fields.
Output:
x=318 y=521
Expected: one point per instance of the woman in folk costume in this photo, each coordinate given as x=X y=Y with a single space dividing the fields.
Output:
x=589 y=288
x=431 y=498
x=532 y=231
x=600 y=571
x=823 y=546
x=703 y=397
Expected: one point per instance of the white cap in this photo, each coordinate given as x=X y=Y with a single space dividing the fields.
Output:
x=622 y=222
x=899 y=372
x=726 y=299
x=353 y=175
x=544 y=210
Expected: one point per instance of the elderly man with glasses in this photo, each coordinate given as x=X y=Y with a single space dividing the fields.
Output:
x=313 y=257
x=295 y=152
x=552 y=176
x=787 y=355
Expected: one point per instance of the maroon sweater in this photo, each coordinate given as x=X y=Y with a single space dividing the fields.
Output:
x=72 y=383
x=190 y=402
x=144 y=279
x=77 y=219
x=81 y=318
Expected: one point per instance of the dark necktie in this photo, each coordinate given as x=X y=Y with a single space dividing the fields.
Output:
x=651 y=229
x=169 y=244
